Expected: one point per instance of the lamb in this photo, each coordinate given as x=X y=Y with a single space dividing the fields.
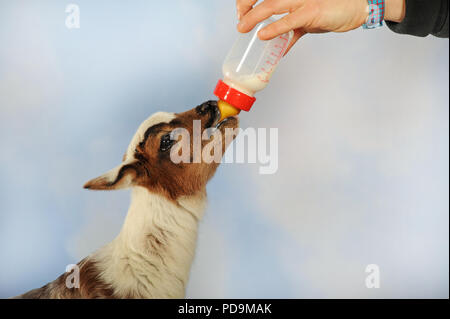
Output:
x=152 y=255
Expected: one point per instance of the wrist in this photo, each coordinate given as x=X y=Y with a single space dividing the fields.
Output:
x=363 y=12
x=395 y=10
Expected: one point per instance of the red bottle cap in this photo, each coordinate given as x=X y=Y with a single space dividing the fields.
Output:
x=234 y=97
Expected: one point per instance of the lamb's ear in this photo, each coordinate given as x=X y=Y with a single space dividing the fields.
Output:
x=122 y=176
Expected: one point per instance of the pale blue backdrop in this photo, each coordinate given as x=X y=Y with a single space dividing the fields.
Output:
x=363 y=149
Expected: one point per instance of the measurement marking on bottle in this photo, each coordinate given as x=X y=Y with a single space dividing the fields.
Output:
x=265 y=71
x=261 y=79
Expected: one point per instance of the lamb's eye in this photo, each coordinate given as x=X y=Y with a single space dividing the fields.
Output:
x=166 y=143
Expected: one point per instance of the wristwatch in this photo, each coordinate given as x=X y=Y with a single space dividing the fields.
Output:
x=375 y=8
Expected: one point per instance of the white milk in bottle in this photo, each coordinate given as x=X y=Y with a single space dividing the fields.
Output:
x=248 y=68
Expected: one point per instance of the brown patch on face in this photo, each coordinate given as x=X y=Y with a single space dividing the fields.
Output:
x=155 y=169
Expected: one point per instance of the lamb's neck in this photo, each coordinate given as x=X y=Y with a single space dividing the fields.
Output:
x=153 y=253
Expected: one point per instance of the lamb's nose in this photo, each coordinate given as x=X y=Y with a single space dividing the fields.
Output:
x=207 y=107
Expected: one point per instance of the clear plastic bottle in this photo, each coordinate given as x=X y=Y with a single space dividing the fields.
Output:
x=248 y=68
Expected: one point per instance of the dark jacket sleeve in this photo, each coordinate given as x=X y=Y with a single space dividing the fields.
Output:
x=424 y=17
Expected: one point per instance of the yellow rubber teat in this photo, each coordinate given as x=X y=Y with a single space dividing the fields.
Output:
x=227 y=110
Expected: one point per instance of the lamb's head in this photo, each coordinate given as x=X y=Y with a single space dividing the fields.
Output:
x=174 y=154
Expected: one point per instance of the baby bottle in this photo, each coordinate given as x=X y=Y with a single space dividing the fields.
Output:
x=247 y=69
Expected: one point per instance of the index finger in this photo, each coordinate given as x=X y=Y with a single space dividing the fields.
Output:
x=261 y=12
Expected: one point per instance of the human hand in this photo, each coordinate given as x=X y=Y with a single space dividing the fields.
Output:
x=310 y=16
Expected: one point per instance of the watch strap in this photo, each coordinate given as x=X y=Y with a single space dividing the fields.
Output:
x=376 y=9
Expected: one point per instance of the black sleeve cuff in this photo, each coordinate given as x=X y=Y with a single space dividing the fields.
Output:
x=423 y=17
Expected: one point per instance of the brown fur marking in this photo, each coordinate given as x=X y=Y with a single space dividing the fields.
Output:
x=91 y=286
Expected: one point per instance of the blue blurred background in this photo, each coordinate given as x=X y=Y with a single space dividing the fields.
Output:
x=363 y=121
